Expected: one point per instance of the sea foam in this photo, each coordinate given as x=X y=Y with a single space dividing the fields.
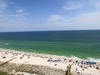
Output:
x=87 y=59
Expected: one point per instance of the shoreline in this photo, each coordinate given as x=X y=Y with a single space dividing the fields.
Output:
x=27 y=57
x=31 y=63
x=58 y=56
x=45 y=64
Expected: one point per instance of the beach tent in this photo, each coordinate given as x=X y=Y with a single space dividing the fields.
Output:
x=57 y=60
x=91 y=63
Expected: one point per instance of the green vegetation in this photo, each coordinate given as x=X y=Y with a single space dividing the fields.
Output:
x=4 y=73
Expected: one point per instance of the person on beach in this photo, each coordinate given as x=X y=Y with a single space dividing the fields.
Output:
x=76 y=69
x=82 y=69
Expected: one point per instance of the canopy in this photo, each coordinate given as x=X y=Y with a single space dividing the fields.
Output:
x=91 y=62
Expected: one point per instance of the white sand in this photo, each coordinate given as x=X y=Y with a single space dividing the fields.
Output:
x=35 y=60
x=40 y=59
x=89 y=71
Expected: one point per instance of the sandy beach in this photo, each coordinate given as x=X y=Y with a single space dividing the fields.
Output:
x=78 y=67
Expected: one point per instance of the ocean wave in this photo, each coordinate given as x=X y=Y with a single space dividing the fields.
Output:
x=93 y=59
x=75 y=57
x=87 y=59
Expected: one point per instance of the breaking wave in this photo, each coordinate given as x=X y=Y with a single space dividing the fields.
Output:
x=88 y=59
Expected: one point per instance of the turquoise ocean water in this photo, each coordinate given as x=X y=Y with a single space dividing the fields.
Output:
x=81 y=43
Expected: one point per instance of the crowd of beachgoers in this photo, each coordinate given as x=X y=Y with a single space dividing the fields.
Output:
x=78 y=67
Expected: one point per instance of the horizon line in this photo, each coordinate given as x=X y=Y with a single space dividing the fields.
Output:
x=50 y=30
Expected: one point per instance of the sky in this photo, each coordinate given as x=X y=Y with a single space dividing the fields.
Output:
x=49 y=15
